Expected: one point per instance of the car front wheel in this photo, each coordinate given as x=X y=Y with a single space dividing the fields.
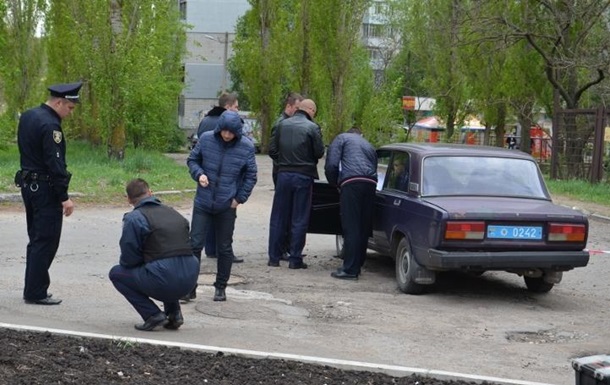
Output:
x=538 y=284
x=405 y=265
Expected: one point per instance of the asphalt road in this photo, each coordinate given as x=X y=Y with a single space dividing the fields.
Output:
x=488 y=325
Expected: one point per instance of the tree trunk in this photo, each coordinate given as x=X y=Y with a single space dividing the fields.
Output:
x=116 y=145
x=266 y=118
x=306 y=64
x=499 y=123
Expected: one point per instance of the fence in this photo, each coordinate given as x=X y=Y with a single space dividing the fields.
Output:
x=578 y=147
x=580 y=150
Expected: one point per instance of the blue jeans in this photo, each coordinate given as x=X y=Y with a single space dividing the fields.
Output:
x=291 y=209
x=223 y=224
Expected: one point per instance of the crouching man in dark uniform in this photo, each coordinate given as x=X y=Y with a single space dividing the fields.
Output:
x=44 y=181
x=156 y=259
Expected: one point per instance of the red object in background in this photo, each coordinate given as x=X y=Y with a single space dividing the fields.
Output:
x=408 y=103
x=540 y=143
x=471 y=138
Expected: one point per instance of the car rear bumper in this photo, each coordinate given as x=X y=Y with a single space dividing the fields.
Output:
x=553 y=260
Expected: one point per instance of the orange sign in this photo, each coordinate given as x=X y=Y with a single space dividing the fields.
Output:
x=408 y=103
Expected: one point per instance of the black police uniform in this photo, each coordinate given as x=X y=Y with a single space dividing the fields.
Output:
x=44 y=181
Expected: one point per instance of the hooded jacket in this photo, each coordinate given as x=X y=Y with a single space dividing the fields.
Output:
x=229 y=166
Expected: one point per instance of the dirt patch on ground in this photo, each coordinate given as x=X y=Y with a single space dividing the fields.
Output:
x=45 y=358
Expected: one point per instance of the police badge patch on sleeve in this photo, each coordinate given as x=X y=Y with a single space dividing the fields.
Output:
x=57 y=135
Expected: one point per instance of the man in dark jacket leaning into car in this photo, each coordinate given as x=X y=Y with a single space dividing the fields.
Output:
x=224 y=166
x=156 y=259
x=351 y=164
x=297 y=145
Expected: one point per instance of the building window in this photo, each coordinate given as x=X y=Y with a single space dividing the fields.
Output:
x=379 y=8
x=181 y=106
x=182 y=9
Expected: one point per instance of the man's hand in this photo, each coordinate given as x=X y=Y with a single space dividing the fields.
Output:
x=203 y=180
x=68 y=207
x=234 y=203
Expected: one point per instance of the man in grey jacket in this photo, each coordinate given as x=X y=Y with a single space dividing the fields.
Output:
x=351 y=165
x=297 y=145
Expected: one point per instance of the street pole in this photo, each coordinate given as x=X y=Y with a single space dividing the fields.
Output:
x=224 y=62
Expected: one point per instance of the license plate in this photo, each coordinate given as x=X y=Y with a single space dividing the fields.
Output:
x=514 y=232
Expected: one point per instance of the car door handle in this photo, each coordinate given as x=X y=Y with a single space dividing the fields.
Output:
x=397 y=202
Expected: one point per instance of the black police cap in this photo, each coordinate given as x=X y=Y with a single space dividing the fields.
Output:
x=67 y=91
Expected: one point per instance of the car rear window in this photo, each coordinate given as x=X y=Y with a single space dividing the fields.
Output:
x=494 y=176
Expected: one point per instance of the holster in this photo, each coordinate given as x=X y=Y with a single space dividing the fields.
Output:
x=20 y=177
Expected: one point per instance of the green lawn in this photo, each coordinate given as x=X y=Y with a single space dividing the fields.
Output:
x=101 y=180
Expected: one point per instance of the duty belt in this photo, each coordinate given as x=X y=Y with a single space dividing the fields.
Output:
x=34 y=176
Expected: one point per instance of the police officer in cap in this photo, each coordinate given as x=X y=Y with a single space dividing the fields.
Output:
x=44 y=181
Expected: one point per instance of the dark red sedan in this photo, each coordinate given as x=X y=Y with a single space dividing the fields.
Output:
x=443 y=207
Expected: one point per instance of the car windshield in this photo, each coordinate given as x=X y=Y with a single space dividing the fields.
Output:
x=494 y=176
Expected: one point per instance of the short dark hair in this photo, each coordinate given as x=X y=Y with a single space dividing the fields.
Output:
x=136 y=188
x=227 y=99
x=355 y=130
x=292 y=98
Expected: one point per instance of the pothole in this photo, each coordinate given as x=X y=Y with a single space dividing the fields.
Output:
x=550 y=336
x=248 y=305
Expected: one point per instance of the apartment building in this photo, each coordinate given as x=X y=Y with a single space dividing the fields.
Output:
x=209 y=47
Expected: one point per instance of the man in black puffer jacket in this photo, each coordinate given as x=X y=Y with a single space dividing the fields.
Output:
x=297 y=145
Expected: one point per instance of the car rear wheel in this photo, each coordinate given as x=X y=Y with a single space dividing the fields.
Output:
x=405 y=265
x=538 y=284
x=339 y=245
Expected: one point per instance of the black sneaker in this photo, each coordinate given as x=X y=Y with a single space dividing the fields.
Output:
x=159 y=319
x=300 y=265
x=220 y=295
x=175 y=320
x=190 y=296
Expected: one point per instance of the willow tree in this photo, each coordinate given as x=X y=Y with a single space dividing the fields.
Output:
x=572 y=40
x=337 y=48
x=264 y=58
x=434 y=30
x=22 y=58
x=128 y=53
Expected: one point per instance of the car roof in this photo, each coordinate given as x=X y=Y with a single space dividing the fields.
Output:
x=451 y=149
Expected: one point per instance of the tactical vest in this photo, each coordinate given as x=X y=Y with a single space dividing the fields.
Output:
x=169 y=233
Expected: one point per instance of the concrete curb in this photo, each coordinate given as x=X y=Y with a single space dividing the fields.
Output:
x=600 y=217
x=16 y=197
x=393 y=370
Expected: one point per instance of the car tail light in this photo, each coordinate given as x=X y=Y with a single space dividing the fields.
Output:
x=465 y=230
x=566 y=232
